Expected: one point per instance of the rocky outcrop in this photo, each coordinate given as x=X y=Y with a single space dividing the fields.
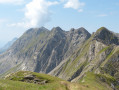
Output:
x=107 y=37
x=33 y=79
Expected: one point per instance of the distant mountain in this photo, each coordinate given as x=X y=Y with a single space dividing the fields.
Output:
x=75 y=55
x=7 y=46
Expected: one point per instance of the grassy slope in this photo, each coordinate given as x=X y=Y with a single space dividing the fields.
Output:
x=92 y=81
x=53 y=84
x=16 y=85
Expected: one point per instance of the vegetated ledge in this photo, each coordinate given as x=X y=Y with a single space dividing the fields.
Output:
x=32 y=77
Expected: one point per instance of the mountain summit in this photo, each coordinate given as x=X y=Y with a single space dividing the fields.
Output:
x=106 y=36
x=41 y=50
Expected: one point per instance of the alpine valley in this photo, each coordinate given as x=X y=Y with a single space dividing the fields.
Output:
x=56 y=59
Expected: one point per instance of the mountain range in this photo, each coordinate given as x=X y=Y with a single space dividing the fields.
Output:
x=74 y=55
x=7 y=46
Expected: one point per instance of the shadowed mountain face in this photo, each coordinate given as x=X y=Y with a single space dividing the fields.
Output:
x=107 y=37
x=41 y=50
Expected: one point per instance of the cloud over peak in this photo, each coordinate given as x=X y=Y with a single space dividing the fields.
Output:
x=36 y=13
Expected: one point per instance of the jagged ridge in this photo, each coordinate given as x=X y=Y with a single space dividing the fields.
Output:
x=72 y=55
x=41 y=50
x=99 y=54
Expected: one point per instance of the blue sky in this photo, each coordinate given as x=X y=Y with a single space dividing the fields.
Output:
x=16 y=16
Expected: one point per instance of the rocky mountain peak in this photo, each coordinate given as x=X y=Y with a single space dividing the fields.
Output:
x=102 y=29
x=79 y=31
x=56 y=30
x=82 y=30
x=36 y=30
x=106 y=36
x=43 y=28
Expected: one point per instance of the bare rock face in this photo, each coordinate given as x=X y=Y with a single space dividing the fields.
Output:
x=99 y=54
x=41 y=50
x=107 y=37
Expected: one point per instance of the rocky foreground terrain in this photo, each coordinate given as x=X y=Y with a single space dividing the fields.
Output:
x=91 y=60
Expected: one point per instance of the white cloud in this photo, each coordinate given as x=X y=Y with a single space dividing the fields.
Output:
x=11 y=1
x=37 y=13
x=75 y=4
x=102 y=15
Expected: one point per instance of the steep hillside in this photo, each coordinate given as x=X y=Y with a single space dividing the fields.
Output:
x=99 y=55
x=41 y=50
